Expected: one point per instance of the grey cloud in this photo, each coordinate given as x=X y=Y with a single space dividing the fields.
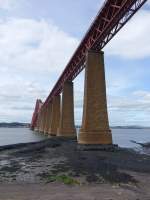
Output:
x=25 y=108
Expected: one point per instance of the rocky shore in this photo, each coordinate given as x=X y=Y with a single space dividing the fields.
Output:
x=58 y=163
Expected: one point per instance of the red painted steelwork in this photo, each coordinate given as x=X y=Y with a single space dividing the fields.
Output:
x=35 y=114
x=113 y=15
x=111 y=18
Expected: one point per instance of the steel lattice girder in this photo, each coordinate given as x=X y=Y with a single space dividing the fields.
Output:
x=113 y=15
x=111 y=18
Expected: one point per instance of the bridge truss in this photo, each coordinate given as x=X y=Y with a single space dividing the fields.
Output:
x=111 y=18
x=113 y=15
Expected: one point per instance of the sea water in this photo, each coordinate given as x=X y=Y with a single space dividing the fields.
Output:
x=18 y=135
x=122 y=137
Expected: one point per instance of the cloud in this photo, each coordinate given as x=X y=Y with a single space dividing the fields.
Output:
x=8 y=4
x=132 y=42
x=32 y=52
x=133 y=109
x=17 y=100
x=34 y=45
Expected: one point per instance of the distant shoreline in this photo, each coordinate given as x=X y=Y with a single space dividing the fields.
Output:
x=27 y=125
x=129 y=127
x=14 y=125
x=124 y=127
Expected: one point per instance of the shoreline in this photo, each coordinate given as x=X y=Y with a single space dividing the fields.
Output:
x=48 y=161
x=20 y=145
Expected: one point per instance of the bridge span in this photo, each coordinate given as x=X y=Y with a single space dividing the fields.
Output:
x=55 y=116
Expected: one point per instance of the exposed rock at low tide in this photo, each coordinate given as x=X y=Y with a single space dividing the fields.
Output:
x=35 y=162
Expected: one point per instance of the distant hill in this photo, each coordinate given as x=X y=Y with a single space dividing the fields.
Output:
x=129 y=127
x=124 y=127
x=14 y=125
x=27 y=125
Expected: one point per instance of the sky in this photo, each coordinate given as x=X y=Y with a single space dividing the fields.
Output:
x=37 y=39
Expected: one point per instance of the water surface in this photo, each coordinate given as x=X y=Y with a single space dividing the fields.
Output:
x=18 y=135
x=122 y=137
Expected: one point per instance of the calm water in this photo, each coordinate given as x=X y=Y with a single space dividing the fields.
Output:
x=18 y=135
x=122 y=137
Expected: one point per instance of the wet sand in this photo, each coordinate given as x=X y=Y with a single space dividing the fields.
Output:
x=26 y=171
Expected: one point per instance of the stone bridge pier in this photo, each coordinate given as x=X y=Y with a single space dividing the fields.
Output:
x=95 y=126
x=41 y=115
x=67 y=125
x=57 y=117
x=37 y=128
x=43 y=119
x=48 y=118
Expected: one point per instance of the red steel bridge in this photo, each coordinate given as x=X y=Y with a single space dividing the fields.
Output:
x=113 y=15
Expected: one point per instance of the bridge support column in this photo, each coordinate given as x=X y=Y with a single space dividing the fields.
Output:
x=48 y=118
x=43 y=119
x=55 y=116
x=95 y=125
x=40 y=120
x=67 y=125
x=38 y=124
